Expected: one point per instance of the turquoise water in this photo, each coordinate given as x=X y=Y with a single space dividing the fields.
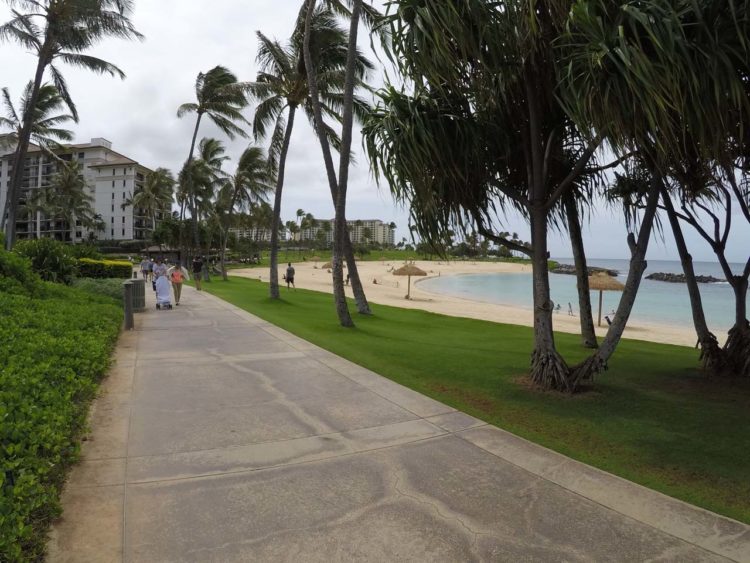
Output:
x=657 y=302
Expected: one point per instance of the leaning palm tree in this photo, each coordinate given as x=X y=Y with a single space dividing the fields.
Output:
x=219 y=98
x=59 y=30
x=281 y=89
x=45 y=125
x=154 y=196
x=243 y=191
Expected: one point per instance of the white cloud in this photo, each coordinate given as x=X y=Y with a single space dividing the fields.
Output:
x=184 y=37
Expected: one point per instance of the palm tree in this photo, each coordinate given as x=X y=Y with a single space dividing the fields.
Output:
x=338 y=186
x=59 y=30
x=45 y=127
x=67 y=198
x=155 y=195
x=219 y=97
x=281 y=89
x=246 y=189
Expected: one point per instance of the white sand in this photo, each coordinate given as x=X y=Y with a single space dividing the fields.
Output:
x=391 y=290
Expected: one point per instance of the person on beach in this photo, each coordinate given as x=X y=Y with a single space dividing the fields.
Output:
x=177 y=277
x=144 y=267
x=290 y=276
x=198 y=271
x=570 y=310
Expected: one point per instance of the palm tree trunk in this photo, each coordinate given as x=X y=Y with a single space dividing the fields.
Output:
x=363 y=307
x=712 y=356
x=737 y=347
x=24 y=136
x=339 y=294
x=597 y=362
x=190 y=196
x=588 y=334
x=276 y=219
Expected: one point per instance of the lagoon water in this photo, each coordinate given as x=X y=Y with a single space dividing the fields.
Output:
x=657 y=302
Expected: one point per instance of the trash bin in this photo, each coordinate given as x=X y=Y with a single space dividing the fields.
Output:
x=139 y=295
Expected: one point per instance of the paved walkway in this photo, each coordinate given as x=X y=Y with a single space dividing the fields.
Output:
x=219 y=437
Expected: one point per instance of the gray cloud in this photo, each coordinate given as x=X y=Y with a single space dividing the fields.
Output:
x=184 y=37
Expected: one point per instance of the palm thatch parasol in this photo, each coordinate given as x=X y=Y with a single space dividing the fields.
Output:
x=315 y=259
x=409 y=270
x=604 y=282
x=327 y=266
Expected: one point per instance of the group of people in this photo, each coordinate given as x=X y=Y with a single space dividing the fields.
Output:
x=164 y=277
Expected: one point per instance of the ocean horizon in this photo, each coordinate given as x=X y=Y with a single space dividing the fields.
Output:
x=658 y=302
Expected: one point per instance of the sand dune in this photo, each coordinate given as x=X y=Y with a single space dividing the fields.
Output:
x=391 y=290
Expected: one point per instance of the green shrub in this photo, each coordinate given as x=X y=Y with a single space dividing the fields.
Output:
x=16 y=275
x=84 y=251
x=53 y=351
x=88 y=268
x=49 y=258
x=111 y=287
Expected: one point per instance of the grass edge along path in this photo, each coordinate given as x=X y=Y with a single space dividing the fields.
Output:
x=652 y=418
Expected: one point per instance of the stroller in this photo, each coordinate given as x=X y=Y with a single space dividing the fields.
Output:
x=163 y=297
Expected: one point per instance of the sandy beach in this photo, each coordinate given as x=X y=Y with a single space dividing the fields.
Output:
x=391 y=290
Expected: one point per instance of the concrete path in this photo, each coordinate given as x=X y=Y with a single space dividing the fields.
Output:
x=219 y=437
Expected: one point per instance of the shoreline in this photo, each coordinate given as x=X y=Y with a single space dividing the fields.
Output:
x=383 y=288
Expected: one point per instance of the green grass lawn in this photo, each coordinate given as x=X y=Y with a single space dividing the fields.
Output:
x=652 y=418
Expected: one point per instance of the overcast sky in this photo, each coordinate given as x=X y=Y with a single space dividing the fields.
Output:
x=184 y=37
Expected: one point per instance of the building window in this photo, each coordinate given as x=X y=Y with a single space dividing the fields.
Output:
x=123 y=220
x=112 y=231
x=113 y=208
x=113 y=183
x=113 y=195
x=113 y=172
x=123 y=232
x=123 y=183
x=78 y=234
x=112 y=220
x=123 y=195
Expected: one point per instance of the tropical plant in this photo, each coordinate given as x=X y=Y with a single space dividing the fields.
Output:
x=282 y=88
x=338 y=186
x=247 y=188
x=59 y=30
x=218 y=97
x=155 y=196
x=66 y=199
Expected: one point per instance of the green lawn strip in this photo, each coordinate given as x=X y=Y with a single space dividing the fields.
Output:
x=652 y=418
x=54 y=349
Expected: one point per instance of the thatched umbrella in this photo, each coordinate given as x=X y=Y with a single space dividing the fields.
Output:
x=604 y=282
x=327 y=265
x=315 y=259
x=409 y=270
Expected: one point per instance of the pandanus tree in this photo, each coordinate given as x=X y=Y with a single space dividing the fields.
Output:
x=219 y=98
x=59 y=31
x=680 y=69
x=481 y=129
x=155 y=196
x=46 y=130
x=281 y=88
x=246 y=189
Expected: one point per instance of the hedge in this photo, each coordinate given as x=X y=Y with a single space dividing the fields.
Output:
x=54 y=349
x=88 y=268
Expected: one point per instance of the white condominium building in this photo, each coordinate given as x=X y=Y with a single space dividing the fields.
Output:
x=361 y=231
x=112 y=179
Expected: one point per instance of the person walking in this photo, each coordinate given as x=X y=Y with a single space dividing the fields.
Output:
x=159 y=269
x=177 y=277
x=290 y=276
x=144 y=267
x=198 y=271
x=150 y=269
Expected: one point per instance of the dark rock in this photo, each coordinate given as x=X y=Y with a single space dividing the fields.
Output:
x=571 y=270
x=680 y=278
